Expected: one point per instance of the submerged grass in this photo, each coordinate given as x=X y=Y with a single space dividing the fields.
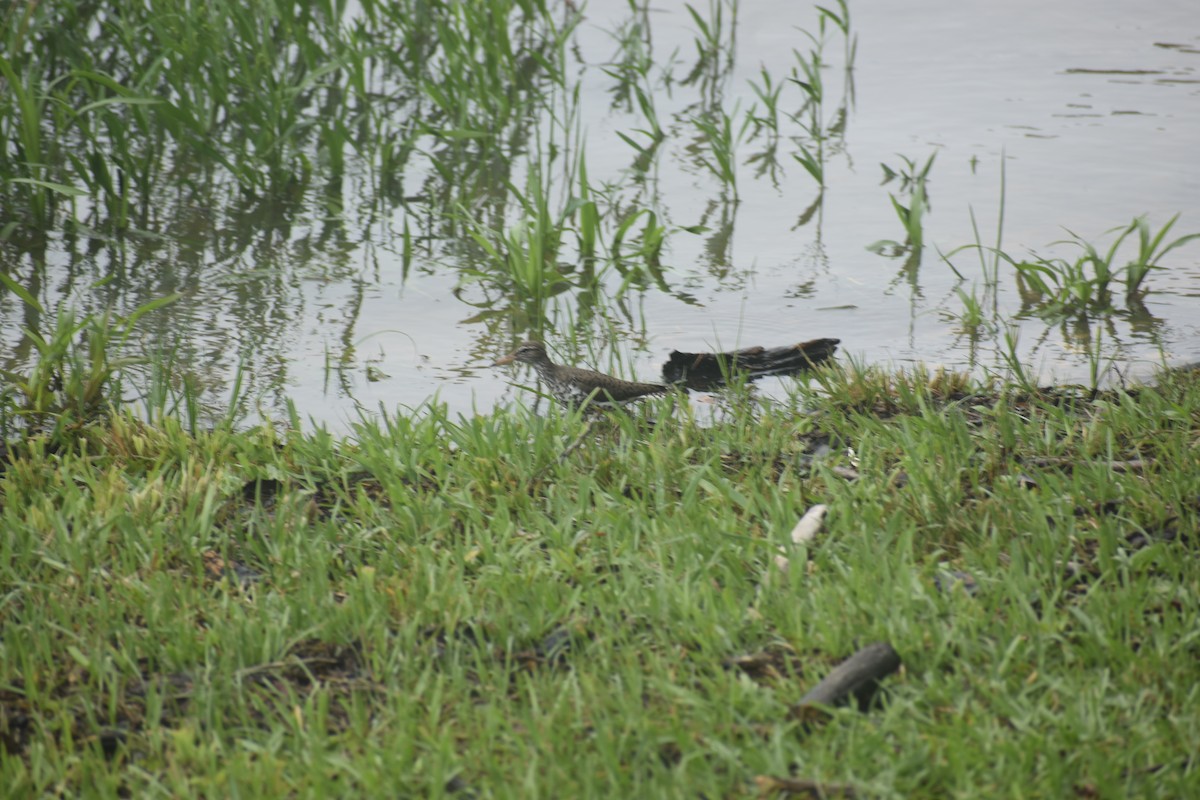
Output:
x=111 y=103
x=443 y=607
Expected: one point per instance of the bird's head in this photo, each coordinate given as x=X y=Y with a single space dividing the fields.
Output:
x=529 y=352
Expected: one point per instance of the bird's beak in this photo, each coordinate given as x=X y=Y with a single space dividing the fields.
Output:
x=508 y=359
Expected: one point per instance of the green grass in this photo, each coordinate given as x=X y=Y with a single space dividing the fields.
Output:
x=1059 y=288
x=447 y=606
x=442 y=607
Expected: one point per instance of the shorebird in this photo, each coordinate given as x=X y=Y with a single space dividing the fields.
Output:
x=573 y=386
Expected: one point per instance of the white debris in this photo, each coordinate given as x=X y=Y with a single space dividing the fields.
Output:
x=804 y=533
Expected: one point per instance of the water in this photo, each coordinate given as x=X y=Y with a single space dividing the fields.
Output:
x=1094 y=108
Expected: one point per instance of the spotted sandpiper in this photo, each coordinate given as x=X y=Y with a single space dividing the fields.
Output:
x=573 y=386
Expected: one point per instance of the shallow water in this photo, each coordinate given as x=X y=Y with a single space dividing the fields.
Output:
x=1094 y=106
x=1088 y=145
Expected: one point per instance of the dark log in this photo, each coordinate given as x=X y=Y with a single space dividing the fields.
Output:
x=703 y=371
x=857 y=677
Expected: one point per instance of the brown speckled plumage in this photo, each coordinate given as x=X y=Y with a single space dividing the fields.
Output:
x=573 y=386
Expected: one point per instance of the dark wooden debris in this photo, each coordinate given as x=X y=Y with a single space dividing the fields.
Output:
x=704 y=371
x=855 y=678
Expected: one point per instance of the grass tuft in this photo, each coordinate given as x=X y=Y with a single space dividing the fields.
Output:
x=440 y=604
